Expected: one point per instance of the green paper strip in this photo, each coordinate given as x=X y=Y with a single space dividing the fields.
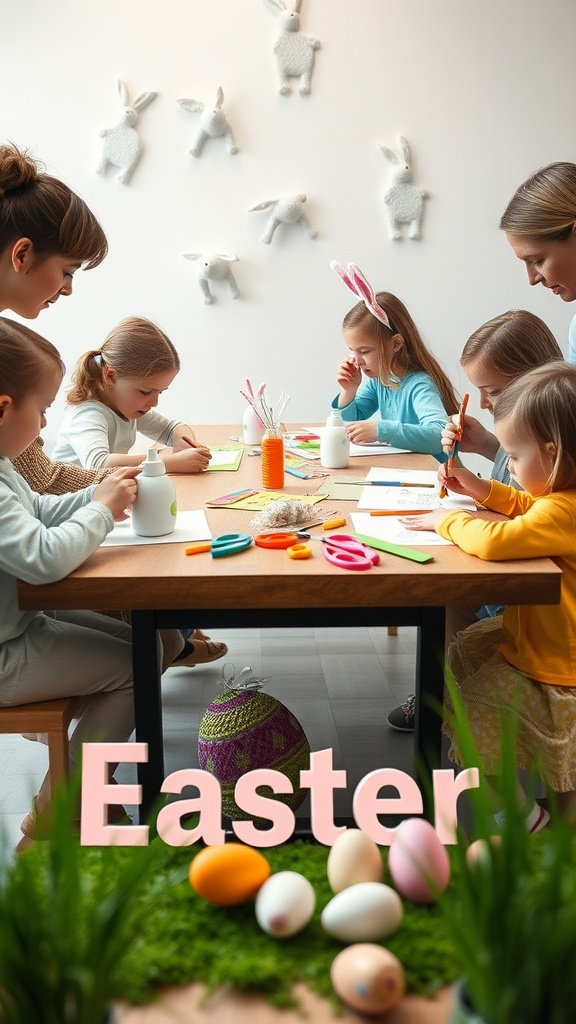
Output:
x=393 y=549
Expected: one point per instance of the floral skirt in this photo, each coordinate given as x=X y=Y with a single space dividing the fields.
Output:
x=491 y=689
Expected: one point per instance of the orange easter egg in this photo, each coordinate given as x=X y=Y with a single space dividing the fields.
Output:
x=228 y=874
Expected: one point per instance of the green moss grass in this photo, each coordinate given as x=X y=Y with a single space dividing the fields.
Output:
x=186 y=939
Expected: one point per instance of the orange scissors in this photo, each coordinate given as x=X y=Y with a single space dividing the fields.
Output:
x=457 y=438
x=279 y=540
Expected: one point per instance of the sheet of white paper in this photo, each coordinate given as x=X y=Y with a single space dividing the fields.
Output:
x=375 y=449
x=226 y=458
x=407 y=476
x=390 y=529
x=411 y=497
x=190 y=526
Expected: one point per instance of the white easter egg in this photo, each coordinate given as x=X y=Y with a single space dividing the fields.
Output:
x=368 y=978
x=418 y=862
x=284 y=904
x=353 y=858
x=362 y=913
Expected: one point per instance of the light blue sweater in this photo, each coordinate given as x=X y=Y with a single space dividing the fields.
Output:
x=412 y=416
x=42 y=539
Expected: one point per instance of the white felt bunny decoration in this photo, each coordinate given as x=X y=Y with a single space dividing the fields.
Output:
x=215 y=268
x=122 y=145
x=404 y=200
x=285 y=211
x=213 y=123
x=294 y=53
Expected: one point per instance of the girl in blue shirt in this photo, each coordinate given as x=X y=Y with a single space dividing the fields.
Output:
x=390 y=371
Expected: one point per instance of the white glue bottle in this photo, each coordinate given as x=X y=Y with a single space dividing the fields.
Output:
x=252 y=426
x=154 y=511
x=334 y=442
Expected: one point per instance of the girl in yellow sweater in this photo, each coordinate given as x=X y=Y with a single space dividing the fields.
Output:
x=527 y=656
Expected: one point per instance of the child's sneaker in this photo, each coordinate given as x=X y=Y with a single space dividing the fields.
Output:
x=402 y=717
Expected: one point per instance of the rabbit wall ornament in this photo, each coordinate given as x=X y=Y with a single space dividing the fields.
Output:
x=122 y=144
x=294 y=52
x=285 y=211
x=214 y=267
x=404 y=201
x=213 y=123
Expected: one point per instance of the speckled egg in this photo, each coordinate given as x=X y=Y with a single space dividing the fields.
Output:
x=418 y=862
x=363 y=913
x=353 y=858
x=228 y=874
x=368 y=978
x=285 y=904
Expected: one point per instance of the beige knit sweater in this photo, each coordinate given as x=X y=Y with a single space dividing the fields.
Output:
x=47 y=477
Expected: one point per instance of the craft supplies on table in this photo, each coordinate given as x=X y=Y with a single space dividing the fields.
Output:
x=231 y=499
x=272 y=445
x=394 y=549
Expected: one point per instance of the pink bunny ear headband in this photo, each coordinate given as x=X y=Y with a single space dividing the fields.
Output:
x=354 y=279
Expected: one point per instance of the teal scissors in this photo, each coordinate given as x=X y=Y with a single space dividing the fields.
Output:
x=230 y=544
x=225 y=544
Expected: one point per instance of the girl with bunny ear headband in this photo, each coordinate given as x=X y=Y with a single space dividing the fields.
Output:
x=390 y=372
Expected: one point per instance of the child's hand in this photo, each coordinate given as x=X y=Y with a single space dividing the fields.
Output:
x=475 y=437
x=190 y=459
x=182 y=443
x=118 y=491
x=461 y=481
x=363 y=431
x=426 y=520
x=348 y=375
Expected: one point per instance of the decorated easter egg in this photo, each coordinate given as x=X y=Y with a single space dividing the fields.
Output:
x=228 y=874
x=362 y=913
x=285 y=904
x=368 y=978
x=353 y=858
x=478 y=853
x=243 y=730
x=417 y=861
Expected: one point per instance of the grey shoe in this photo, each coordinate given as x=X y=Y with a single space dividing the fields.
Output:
x=402 y=717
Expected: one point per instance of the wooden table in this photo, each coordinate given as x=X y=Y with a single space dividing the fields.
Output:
x=259 y=588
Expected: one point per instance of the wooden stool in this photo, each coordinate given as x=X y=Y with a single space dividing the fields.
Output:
x=48 y=716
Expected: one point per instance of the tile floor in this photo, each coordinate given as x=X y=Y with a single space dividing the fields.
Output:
x=339 y=683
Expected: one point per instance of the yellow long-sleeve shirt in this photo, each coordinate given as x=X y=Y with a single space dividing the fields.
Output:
x=540 y=639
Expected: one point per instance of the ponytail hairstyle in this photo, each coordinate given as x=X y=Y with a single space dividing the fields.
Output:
x=26 y=357
x=37 y=206
x=134 y=348
x=541 y=405
x=511 y=344
x=413 y=356
x=544 y=206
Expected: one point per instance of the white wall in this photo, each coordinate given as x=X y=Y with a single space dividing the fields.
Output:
x=483 y=92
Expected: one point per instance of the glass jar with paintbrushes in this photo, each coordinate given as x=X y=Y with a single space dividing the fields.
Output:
x=272 y=447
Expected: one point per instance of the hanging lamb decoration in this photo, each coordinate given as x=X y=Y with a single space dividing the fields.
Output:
x=404 y=200
x=213 y=123
x=294 y=53
x=289 y=210
x=214 y=267
x=122 y=145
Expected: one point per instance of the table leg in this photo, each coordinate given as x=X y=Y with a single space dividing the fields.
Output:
x=430 y=662
x=148 y=707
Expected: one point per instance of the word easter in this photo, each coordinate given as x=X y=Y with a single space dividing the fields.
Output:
x=321 y=778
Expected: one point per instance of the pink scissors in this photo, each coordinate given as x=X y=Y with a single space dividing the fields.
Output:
x=345 y=551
